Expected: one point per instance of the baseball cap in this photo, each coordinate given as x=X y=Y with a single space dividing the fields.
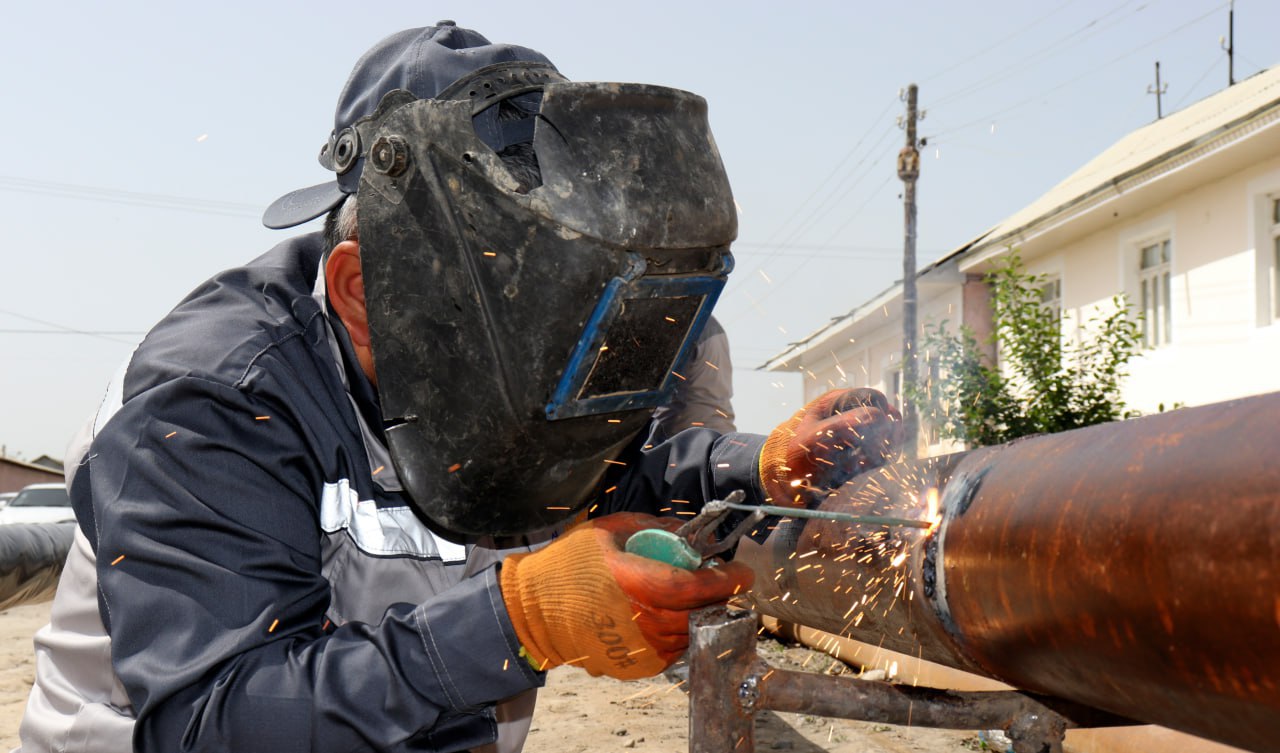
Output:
x=423 y=62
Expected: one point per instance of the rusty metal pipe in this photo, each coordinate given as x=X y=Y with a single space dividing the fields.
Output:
x=1134 y=567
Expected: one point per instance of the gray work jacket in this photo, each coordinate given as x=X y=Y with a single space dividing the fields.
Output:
x=248 y=576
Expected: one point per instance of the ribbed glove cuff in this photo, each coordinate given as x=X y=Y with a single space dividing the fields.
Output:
x=775 y=472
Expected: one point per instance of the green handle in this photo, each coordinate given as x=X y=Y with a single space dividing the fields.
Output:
x=664 y=546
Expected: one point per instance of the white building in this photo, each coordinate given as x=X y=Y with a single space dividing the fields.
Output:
x=1182 y=214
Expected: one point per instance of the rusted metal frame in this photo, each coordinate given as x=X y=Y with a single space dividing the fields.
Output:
x=729 y=684
x=722 y=696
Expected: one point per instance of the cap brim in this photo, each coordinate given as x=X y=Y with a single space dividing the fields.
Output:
x=297 y=207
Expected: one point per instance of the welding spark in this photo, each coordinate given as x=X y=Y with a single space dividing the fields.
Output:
x=932 y=516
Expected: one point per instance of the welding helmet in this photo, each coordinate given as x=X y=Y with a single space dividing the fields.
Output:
x=524 y=331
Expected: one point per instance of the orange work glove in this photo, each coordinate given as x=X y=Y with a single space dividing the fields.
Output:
x=828 y=442
x=583 y=600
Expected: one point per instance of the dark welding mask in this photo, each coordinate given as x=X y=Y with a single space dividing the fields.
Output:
x=521 y=335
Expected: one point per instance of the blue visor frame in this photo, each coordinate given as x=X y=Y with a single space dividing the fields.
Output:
x=574 y=397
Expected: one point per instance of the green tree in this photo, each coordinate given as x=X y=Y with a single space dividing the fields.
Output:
x=1046 y=384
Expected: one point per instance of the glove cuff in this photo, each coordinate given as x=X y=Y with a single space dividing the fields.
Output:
x=775 y=474
x=518 y=601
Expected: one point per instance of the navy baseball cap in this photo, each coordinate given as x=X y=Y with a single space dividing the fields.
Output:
x=423 y=62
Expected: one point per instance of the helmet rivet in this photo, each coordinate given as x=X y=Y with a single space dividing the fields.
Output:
x=389 y=155
x=346 y=148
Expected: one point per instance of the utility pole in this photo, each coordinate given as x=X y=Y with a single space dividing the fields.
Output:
x=909 y=171
x=1230 y=45
x=1158 y=91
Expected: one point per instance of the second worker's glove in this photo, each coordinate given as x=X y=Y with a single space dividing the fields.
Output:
x=828 y=442
x=583 y=600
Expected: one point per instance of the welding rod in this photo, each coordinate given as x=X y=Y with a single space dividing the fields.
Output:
x=800 y=512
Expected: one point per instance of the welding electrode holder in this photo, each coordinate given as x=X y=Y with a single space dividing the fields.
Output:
x=695 y=542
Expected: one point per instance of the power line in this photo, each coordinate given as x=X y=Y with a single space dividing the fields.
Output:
x=796 y=269
x=985 y=49
x=22 y=185
x=63 y=329
x=817 y=247
x=830 y=196
x=1054 y=48
x=68 y=332
x=1040 y=95
x=838 y=252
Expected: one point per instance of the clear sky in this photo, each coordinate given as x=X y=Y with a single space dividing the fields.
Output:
x=143 y=140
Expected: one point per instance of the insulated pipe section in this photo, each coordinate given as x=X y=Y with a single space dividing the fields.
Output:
x=31 y=559
x=1131 y=566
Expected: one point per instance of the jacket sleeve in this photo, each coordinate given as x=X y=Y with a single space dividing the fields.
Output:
x=677 y=476
x=704 y=396
x=203 y=518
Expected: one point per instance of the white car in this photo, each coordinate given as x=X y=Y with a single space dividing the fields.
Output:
x=39 y=503
x=5 y=497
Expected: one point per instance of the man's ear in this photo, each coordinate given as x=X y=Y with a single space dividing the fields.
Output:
x=344 y=283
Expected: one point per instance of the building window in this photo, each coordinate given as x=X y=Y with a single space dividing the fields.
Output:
x=1050 y=289
x=1275 y=258
x=1154 y=269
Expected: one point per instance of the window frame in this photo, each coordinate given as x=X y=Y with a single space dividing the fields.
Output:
x=1154 y=284
x=1274 y=201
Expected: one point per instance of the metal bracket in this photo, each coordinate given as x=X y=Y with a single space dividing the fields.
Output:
x=722 y=655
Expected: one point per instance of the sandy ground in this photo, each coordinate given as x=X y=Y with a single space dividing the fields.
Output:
x=577 y=712
x=17 y=665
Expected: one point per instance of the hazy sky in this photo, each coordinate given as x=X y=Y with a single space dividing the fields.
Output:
x=144 y=139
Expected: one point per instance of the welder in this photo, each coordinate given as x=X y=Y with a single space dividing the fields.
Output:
x=326 y=505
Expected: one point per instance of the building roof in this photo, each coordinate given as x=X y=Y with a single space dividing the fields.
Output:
x=29 y=465
x=1141 y=157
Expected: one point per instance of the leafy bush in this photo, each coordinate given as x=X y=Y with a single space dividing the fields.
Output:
x=1046 y=384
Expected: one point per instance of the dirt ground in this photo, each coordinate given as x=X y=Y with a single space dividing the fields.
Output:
x=578 y=713
x=17 y=666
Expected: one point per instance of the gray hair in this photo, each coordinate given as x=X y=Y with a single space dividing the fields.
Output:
x=340 y=224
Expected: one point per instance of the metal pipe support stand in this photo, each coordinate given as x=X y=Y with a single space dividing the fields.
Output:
x=729 y=683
